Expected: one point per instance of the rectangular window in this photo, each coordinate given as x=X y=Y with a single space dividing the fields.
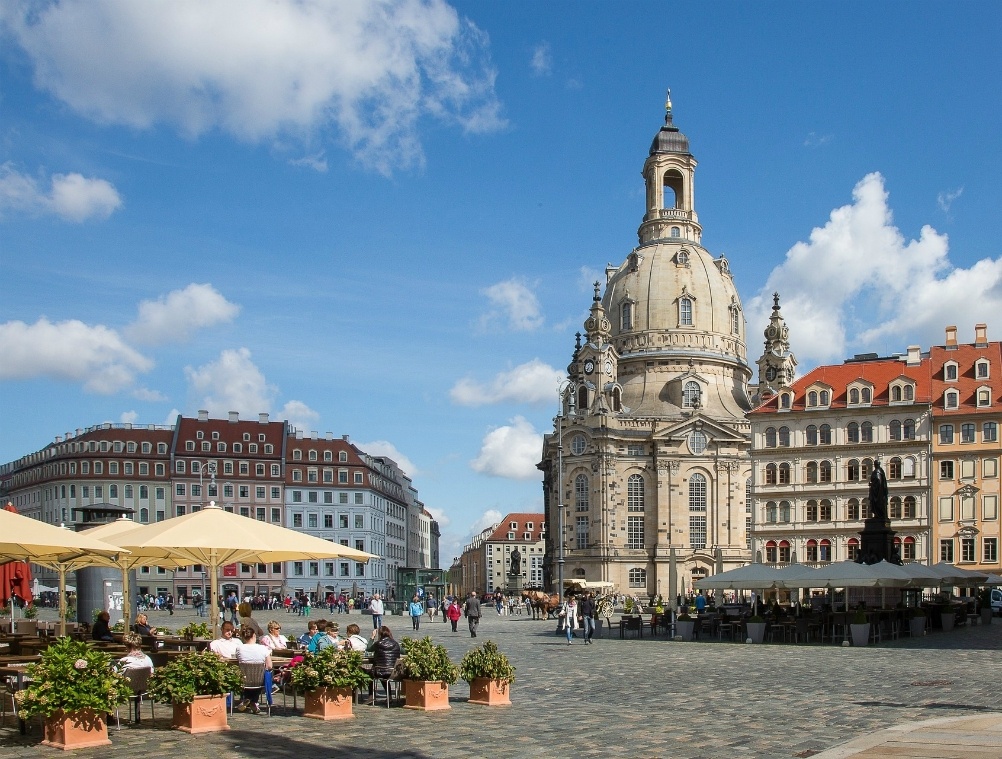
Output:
x=967 y=549
x=342 y=476
x=343 y=569
x=946 y=434
x=359 y=499
x=161 y=493
x=967 y=469
x=946 y=470
x=342 y=521
x=244 y=467
x=245 y=491
x=328 y=521
x=908 y=551
x=297 y=568
x=314 y=569
x=359 y=544
x=259 y=492
x=990 y=432
x=328 y=475
x=697 y=531
x=581 y=532
x=946 y=550
x=313 y=496
x=358 y=478
x=328 y=497
x=227 y=491
x=990 y=507
x=276 y=516
x=967 y=507
x=297 y=496
x=635 y=532
x=276 y=494
x=342 y=498
x=360 y=570
x=311 y=520
x=159 y=470
x=179 y=489
x=297 y=520
x=945 y=509
x=260 y=513
x=990 y=550
x=127 y=468
x=990 y=468
x=359 y=521
x=967 y=433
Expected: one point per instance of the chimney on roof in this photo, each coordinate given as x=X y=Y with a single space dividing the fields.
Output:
x=262 y=418
x=980 y=335
x=914 y=357
x=345 y=438
x=299 y=434
x=59 y=438
x=951 y=338
x=328 y=435
x=314 y=435
x=234 y=416
x=203 y=415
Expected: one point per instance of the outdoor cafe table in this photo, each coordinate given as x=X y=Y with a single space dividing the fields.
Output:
x=16 y=674
x=183 y=644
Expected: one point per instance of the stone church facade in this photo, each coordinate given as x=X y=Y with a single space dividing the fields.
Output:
x=648 y=462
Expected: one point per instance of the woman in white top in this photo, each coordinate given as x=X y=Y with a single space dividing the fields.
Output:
x=134 y=657
x=274 y=639
x=252 y=652
x=355 y=641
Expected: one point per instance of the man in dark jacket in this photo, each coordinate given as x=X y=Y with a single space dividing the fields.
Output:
x=473 y=612
x=586 y=608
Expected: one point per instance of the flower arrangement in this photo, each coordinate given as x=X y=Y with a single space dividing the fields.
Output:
x=119 y=626
x=486 y=661
x=194 y=674
x=195 y=630
x=330 y=668
x=72 y=677
x=428 y=661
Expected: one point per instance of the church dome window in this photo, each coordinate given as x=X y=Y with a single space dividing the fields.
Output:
x=682 y=257
x=626 y=316
x=697 y=442
x=690 y=395
x=578 y=444
x=685 y=312
x=676 y=232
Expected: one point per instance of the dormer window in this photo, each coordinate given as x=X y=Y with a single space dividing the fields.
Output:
x=785 y=401
x=865 y=394
x=690 y=395
x=812 y=398
x=950 y=371
x=823 y=397
x=951 y=399
x=854 y=396
x=626 y=316
x=981 y=369
x=984 y=397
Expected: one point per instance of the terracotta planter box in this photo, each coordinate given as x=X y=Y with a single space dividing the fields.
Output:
x=83 y=729
x=488 y=692
x=428 y=695
x=328 y=703
x=206 y=714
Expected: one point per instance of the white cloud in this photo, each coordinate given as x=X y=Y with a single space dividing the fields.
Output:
x=815 y=140
x=531 y=382
x=511 y=451
x=128 y=417
x=945 y=199
x=587 y=277
x=260 y=69
x=231 y=383
x=299 y=415
x=171 y=417
x=488 y=519
x=386 y=448
x=858 y=284
x=175 y=316
x=316 y=161
x=542 y=60
x=513 y=304
x=150 y=396
x=72 y=197
x=439 y=516
x=70 y=350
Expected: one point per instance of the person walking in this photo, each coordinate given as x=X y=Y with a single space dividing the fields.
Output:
x=570 y=618
x=416 y=609
x=473 y=613
x=376 y=607
x=453 y=613
x=587 y=611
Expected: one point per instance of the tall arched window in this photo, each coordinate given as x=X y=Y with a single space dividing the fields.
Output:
x=581 y=493
x=617 y=399
x=812 y=511
x=784 y=511
x=635 y=493
x=770 y=474
x=825 y=471
x=894 y=508
x=826 y=434
x=852 y=470
x=697 y=492
x=852 y=432
x=894 y=429
x=908 y=429
x=909 y=507
x=690 y=395
x=812 y=471
x=825 y=510
x=784 y=474
x=626 y=312
x=770 y=437
x=894 y=469
x=852 y=509
x=685 y=312
x=582 y=399
x=866 y=432
x=770 y=512
x=784 y=437
x=908 y=467
x=812 y=435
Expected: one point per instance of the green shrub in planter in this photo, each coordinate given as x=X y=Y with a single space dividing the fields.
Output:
x=31 y=611
x=195 y=630
x=859 y=617
x=486 y=661
x=72 y=677
x=428 y=661
x=330 y=668
x=194 y=674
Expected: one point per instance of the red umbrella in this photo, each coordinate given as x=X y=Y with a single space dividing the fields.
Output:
x=15 y=576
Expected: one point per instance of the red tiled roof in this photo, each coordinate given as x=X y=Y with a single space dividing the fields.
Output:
x=967 y=382
x=522 y=519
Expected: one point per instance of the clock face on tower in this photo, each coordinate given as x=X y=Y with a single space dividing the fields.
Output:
x=589 y=366
x=608 y=367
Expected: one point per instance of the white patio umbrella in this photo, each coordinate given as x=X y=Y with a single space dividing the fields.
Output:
x=954 y=575
x=748 y=577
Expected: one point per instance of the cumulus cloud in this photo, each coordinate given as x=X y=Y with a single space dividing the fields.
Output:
x=316 y=161
x=299 y=415
x=815 y=140
x=531 y=382
x=260 y=69
x=511 y=451
x=175 y=316
x=150 y=396
x=512 y=304
x=128 y=417
x=542 y=60
x=71 y=197
x=386 y=448
x=231 y=383
x=945 y=199
x=859 y=284
x=71 y=351
x=488 y=519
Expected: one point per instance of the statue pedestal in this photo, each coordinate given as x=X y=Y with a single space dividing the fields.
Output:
x=514 y=584
x=876 y=542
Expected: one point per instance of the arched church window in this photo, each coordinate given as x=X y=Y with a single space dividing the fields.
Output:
x=583 y=398
x=617 y=399
x=690 y=395
x=685 y=312
x=735 y=322
x=676 y=232
x=683 y=256
x=581 y=492
x=697 y=492
x=626 y=312
x=635 y=493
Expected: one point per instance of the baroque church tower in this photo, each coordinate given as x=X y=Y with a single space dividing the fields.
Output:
x=777 y=366
x=647 y=465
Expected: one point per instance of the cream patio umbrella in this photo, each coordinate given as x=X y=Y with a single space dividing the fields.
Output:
x=58 y=548
x=215 y=537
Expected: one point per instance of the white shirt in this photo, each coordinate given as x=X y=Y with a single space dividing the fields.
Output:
x=274 y=641
x=376 y=606
x=357 y=643
x=226 y=648
x=253 y=653
x=136 y=660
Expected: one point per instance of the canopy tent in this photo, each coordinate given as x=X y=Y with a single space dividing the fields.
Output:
x=993 y=580
x=215 y=537
x=64 y=550
x=749 y=577
x=957 y=576
x=588 y=584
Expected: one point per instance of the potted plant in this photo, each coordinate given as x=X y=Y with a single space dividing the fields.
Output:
x=628 y=606
x=916 y=622
x=489 y=674
x=947 y=618
x=194 y=630
x=859 y=628
x=197 y=684
x=329 y=677
x=73 y=687
x=684 y=624
x=756 y=628
x=30 y=611
x=428 y=673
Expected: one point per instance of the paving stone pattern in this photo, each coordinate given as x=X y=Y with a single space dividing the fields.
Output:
x=648 y=698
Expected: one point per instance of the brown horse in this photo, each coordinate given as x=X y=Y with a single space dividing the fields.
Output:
x=544 y=605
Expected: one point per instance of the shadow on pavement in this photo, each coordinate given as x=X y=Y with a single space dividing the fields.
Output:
x=252 y=743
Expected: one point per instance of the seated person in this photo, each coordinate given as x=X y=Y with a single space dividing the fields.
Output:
x=247 y=619
x=134 y=657
x=385 y=652
x=274 y=639
x=311 y=646
x=226 y=645
x=143 y=627
x=101 y=629
x=306 y=637
x=251 y=652
x=355 y=641
x=330 y=638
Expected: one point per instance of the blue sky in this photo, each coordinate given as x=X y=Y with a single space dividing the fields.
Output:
x=382 y=219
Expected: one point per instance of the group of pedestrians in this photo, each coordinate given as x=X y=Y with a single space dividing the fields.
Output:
x=575 y=614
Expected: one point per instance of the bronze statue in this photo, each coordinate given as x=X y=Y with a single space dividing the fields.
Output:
x=878 y=492
x=516 y=562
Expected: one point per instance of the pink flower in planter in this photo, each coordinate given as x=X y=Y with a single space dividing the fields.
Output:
x=80 y=664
